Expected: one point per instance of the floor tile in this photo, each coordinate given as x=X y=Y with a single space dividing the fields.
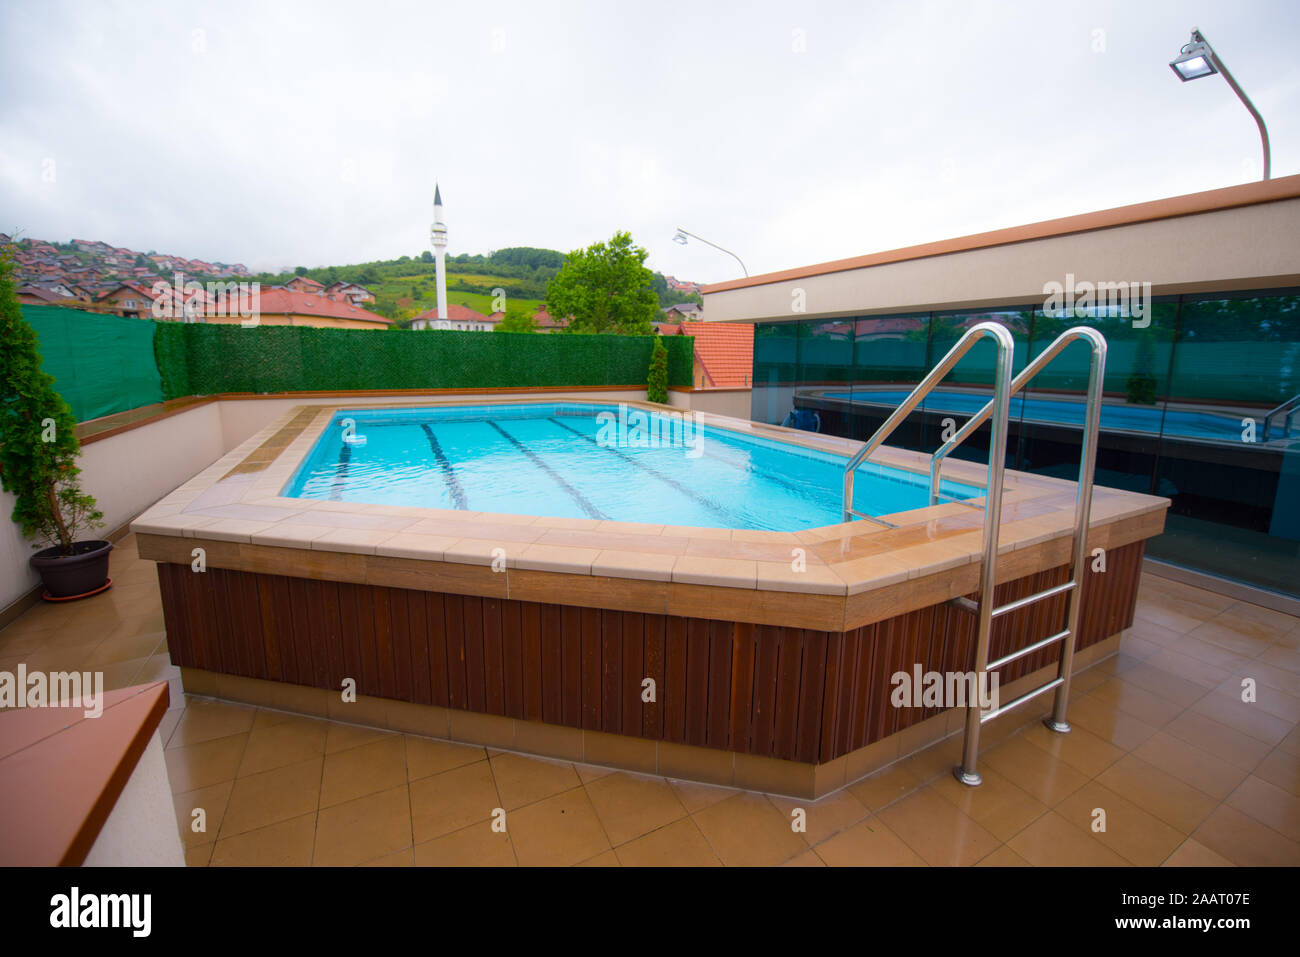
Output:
x=474 y=846
x=679 y=844
x=365 y=769
x=630 y=805
x=364 y=828
x=558 y=831
x=447 y=802
x=868 y=843
x=746 y=830
x=287 y=844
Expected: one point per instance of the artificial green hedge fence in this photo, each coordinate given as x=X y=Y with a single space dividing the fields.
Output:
x=203 y=359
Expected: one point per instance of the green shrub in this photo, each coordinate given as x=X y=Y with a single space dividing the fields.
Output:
x=38 y=439
x=657 y=382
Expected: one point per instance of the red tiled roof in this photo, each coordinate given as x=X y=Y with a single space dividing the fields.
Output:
x=455 y=311
x=307 y=280
x=545 y=320
x=286 y=301
x=725 y=351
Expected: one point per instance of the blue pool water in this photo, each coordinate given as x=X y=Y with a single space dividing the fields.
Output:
x=549 y=460
x=1130 y=418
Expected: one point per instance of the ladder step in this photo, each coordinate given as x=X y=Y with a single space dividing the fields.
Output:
x=1031 y=599
x=990 y=715
x=1028 y=650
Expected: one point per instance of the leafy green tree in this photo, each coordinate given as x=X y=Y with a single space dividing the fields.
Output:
x=38 y=439
x=605 y=288
x=300 y=270
x=516 y=320
x=657 y=381
x=426 y=257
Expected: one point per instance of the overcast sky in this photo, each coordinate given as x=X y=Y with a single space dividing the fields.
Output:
x=280 y=134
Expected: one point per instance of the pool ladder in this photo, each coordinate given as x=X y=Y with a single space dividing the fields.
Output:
x=983 y=608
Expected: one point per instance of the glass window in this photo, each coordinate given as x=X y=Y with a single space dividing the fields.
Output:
x=1235 y=489
x=776 y=367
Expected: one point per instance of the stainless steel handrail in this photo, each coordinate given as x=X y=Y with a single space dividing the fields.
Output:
x=1291 y=406
x=1005 y=346
x=967 y=772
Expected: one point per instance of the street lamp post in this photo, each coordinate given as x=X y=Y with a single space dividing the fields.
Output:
x=1197 y=59
x=681 y=238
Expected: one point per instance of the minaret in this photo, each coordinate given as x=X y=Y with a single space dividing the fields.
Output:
x=438 y=236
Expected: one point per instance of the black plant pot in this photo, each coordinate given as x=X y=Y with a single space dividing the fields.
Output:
x=84 y=572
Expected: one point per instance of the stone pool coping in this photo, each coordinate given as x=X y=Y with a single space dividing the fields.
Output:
x=856 y=573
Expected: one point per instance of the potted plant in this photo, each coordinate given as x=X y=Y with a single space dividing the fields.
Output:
x=38 y=461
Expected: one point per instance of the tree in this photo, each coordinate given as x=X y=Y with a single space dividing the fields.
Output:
x=300 y=270
x=657 y=381
x=38 y=438
x=516 y=320
x=426 y=257
x=605 y=288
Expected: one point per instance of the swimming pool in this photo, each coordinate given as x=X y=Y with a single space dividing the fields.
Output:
x=592 y=461
x=1131 y=418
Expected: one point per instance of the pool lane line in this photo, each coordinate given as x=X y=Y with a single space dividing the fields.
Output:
x=340 y=473
x=573 y=493
x=448 y=470
x=713 y=506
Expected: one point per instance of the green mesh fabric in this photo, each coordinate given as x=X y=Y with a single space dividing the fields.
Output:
x=101 y=364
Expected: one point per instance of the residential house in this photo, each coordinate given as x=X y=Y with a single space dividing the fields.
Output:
x=724 y=353
x=460 y=318
x=684 y=311
x=350 y=291
x=304 y=284
x=285 y=307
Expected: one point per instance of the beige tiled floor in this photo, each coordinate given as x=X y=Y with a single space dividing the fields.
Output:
x=1185 y=772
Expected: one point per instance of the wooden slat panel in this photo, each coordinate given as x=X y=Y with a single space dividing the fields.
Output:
x=332 y=637
x=611 y=667
x=787 y=693
x=557 y=659
x=572 y=694
x=350 y=624
x=808 y=696
x=512 y=658
x=399 y=620
x=632 y=671
x=742 y=686
x=494 y=682
x=762 y=721
x=592 y=688
x=384 y=642
x=367 y=641
x=530 y=626
x=697 y=681
x=812 y=684
x=454 y=608
x=475 y=683
x=718 y=728
x=417 y=610
x=672 y=696
x=652 y=720
x=300 y=599
x=830 y=696
x=436 y=621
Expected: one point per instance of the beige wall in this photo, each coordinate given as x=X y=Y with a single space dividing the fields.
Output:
x=1249 y=247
